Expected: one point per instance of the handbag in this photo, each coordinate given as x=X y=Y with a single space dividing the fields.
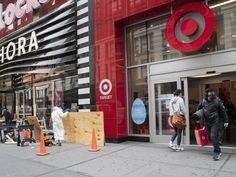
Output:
x=201 y=135
x=179 y=121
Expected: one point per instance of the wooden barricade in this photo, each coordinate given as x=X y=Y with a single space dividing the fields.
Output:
x=32 y=120
x=78 y=127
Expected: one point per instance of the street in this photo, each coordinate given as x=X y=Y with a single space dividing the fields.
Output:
x=128 y=159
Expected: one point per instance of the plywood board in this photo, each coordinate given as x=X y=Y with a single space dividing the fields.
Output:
x=79 y=125
x=32 y=120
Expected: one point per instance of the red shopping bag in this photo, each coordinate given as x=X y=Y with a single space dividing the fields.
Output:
x=201 y=135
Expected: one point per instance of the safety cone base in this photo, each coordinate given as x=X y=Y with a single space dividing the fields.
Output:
x=94 y=150
x=42 y=151
x=42 y=154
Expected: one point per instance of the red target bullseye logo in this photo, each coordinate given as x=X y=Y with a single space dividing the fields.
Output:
x=105 y=86
x=190 y=27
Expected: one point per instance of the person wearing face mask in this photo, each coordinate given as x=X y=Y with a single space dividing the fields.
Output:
x=57 y=124
x=213 y=108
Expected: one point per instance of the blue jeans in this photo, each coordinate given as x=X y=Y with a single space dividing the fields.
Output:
x=178 y=134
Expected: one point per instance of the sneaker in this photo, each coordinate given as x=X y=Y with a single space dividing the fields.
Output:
x=171 y=146
x=178 y=148
x=216 y=156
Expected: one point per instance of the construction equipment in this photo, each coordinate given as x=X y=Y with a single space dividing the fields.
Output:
x=8 y=133
x=25 y=134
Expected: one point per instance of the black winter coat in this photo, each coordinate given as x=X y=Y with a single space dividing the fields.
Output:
x=214 y=111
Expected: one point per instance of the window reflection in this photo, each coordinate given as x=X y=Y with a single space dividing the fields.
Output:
x=147 y=42
x=137 y=46
x=43 y=101
x=66 y=92
x=159 y=48
x=138 y=89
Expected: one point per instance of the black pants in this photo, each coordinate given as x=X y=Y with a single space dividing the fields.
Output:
x=221 y=132
x=213 y=132
x=178 y=134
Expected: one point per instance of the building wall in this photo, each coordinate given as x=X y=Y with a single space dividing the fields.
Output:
x=84 y=47
x=111 y=17
x=85 y=56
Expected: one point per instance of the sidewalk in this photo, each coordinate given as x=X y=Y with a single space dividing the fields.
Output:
x=128 y=159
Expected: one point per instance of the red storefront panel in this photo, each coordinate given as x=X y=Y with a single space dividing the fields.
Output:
x=111 y=17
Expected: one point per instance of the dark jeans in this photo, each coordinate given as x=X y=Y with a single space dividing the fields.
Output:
x=221 y=132
x=213 y=132
x=178 y=132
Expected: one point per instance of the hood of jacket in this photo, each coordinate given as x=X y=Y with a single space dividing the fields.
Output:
x=55 y=108
x=174 y=99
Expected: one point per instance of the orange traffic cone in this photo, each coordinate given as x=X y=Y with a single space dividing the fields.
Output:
x=94 y=147
x=42 y=151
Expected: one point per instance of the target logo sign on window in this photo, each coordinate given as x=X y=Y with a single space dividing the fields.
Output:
x=190 y=27
x=105 y=88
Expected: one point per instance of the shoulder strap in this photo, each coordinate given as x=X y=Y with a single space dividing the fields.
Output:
x=173 y=106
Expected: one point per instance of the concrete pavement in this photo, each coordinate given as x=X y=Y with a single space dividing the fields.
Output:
x=128 y=159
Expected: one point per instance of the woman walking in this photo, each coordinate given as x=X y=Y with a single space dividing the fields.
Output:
x=177 y=106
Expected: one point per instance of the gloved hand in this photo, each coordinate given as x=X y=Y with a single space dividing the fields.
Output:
x=226 y=125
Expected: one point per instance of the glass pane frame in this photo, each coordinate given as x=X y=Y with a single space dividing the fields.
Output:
x=164 y=137
x=138 y=88
x=137 y=45
x=163 y=94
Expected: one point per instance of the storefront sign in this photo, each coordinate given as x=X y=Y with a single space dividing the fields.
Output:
x=138 y=111
x=105 y=88
x=18 y=10
x=190 y=27
x=9 y=52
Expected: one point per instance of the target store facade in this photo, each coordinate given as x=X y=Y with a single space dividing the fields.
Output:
x=145 y=49
x=122 y=57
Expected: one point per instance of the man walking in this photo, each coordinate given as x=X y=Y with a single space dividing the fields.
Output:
x=213 y=108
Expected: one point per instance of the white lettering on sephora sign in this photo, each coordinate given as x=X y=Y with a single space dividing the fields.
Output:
x=11 y=50
x=18 y=10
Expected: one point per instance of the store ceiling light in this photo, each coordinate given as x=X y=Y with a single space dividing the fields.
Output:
x=206 y=75
x=221 y=4
x=234 y=35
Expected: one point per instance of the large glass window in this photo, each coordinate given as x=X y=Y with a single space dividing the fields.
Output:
x=28 y=102
x=137 y=45
x=6 y=95
x=138 y=89
x=225 y=25
x=43 y=101
x=159 y=48
x=147 y=42
x=66 y=92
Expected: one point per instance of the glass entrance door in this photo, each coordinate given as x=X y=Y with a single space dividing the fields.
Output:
x=161 y=93
x=224 y=86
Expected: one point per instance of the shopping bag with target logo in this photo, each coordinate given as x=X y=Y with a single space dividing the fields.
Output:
x=201 y=135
